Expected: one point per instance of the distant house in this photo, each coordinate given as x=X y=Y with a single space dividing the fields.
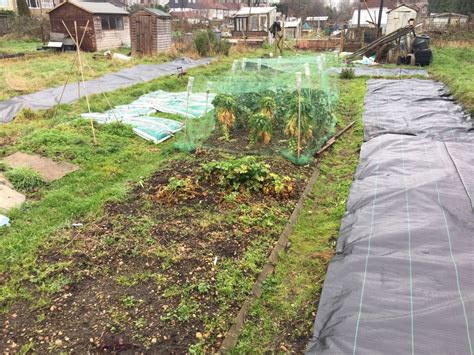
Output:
x=215 y=10
x=192 y=17
x=400 y=16
x=183 y=5
x=40 y=7
x=7 y=5
x=207 y=9
x=37 y=7
x=108 y=24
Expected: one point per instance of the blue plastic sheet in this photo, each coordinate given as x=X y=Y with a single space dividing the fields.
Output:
x=4 y=221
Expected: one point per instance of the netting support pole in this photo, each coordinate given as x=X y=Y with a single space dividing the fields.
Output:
x=298 y=87
x=186 y=131
x=299 y=124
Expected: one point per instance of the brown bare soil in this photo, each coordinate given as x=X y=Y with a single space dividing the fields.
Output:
x=159 y=272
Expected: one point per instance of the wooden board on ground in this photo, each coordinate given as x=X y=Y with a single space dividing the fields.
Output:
x=48 y=169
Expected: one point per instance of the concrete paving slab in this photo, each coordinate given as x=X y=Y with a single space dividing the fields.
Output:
x=47 y=168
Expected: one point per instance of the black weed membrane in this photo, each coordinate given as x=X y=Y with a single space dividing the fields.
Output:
x=402 y=280
x=267 y=106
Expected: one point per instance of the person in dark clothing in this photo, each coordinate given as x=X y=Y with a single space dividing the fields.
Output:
x=275 y=28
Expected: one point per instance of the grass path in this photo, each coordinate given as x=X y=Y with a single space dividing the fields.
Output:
x=455 y=67
x=282 y=319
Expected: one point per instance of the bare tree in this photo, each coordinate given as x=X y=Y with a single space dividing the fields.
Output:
x=305 y=8
x=341 y=13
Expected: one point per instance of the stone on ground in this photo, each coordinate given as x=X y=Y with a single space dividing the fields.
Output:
x=47 y=168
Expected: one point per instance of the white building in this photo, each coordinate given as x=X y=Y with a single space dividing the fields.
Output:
x=399 y=17
x=369 y=17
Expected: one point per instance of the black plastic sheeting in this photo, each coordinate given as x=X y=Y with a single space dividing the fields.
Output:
x=402 y=279
x=48 y=98
x=415 y=107
x=377 y=72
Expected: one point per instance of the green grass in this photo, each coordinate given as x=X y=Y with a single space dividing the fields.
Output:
x=281 y=320
x=18 y=46
x=48 y=69
x=107 y=170
x=455 y=67
x=25 y=179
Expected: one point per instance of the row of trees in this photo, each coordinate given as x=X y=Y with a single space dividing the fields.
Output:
x=305 y=8
x=465 y=7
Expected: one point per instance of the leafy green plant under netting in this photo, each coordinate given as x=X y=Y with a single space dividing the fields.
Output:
x=268 y=106
x=297 y=125
x=25 y=179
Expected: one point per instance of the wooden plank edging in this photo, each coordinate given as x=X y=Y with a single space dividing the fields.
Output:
x=236 y=329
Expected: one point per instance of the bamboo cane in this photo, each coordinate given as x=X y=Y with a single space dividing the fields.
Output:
x=78 y=51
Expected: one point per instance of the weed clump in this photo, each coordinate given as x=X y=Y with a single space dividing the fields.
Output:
x=3 y=166
x=347 y=73
x=27 y=114
x=177 y=188
x=25 y=179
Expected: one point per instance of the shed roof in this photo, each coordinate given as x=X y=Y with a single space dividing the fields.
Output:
x=447 y=14
x=317 y=18
x=155 y=12
x=95 y=7
x=117 y=3
x=391 y=4
x=245 y=11
x=368 y=16
x=292 y=23
x=411 y=7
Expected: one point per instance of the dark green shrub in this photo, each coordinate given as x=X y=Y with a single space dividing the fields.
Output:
x=222 y=46
x=202 y=42
x=347 y=73
x=207 y=43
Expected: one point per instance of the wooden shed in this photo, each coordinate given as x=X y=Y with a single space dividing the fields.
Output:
x=399 y=17
x=150 y=32
x=108 y=24
x=254 y=21
x=293 y=28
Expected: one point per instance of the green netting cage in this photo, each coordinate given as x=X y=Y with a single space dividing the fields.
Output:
x=280 y=105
